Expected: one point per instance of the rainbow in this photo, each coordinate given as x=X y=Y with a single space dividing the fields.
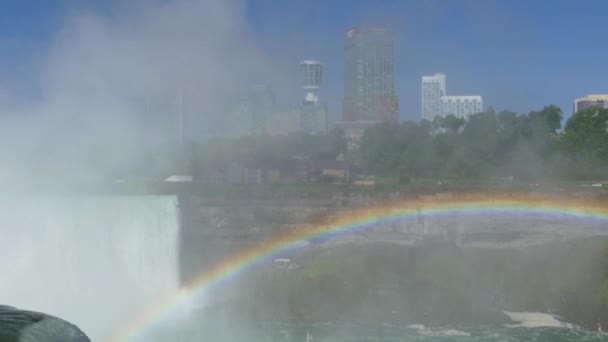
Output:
x=525 y=205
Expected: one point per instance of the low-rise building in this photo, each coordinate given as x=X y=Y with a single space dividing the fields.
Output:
x=591 y=101
x=331 y=171
x=461 y=106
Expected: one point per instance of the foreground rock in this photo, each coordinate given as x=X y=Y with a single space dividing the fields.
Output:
x=30 y=326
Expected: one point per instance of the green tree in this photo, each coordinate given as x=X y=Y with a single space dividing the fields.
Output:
x=379 y=150
x=585 y=142
x=549 y=118
x=586 y=133
x=449 y=123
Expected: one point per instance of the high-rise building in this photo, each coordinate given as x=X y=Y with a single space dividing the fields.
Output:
x=461 y=106
x=313 y=113
x=436 y=102
x=313 y=118
x=312 y=76
x=433 y=88
x=369 y=86
x=591 y=101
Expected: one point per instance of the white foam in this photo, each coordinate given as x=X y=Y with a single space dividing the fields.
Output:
x=442 y=333
x=533 y=319
x=452 y=332
x=416 y=326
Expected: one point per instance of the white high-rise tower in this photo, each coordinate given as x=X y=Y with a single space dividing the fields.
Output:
x=435 y=101
x=433 y=88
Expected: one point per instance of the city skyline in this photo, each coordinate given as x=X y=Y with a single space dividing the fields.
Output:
x=521 y=66
x=494 y=46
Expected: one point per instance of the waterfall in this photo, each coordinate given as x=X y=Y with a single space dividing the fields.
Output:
x=93 y=260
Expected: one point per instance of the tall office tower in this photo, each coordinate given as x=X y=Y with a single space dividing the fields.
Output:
x=312 y=76
x=313 y=113
x=433 y=88
x=369 y=86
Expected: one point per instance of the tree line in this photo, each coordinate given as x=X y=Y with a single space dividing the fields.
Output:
x=529 y=146
x=487 y=145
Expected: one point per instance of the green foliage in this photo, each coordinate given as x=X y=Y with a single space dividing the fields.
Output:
x=397 y=151
x=488 y=145
x=449 y=123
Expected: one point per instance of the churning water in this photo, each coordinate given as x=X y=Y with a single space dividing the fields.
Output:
x=347 y=332
x=386 y=333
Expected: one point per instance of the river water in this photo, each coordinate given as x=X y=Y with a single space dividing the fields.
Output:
x=535 y=327
x=362 y=332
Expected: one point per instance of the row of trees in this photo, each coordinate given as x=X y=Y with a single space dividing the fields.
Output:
x=529 y=146
x=523 y=146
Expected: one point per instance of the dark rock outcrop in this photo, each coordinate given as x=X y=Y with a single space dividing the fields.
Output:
x=29 y=326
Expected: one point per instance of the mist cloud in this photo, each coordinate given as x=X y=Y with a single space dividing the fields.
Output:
x=111 y=80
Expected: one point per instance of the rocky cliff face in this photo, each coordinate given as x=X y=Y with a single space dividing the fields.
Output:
x=428 y=269
x=215 y=229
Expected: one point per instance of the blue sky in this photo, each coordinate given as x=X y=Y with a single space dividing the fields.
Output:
x=26 y=28
x=517 y=54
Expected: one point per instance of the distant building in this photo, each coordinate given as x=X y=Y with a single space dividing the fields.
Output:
x=249 y=112
x=313 y=118
x=433 y=88
x=436 y=102
x=591 y=101
x=461 y=106
x=237 y=119
x=369 y=86
x=331 y=171
x=312 y=76
x=313 y=113
x=283 y=121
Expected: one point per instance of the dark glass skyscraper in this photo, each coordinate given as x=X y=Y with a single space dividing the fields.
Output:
x=369 y=86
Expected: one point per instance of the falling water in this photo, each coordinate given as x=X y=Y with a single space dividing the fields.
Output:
x=94 y=261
